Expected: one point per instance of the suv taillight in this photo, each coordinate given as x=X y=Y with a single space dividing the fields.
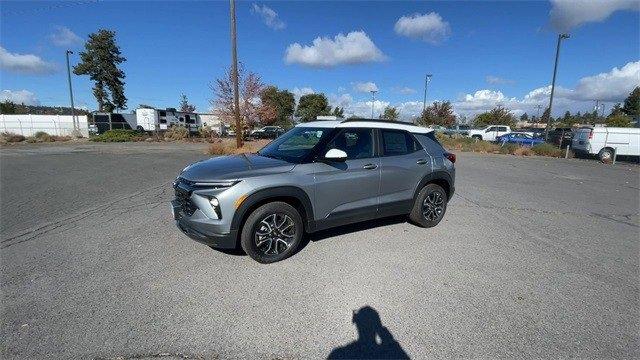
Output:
x=590 y=134
x=451 y=157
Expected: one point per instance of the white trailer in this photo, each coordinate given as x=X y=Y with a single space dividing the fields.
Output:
x=156 y=119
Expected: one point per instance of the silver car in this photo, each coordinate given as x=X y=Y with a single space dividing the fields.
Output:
x=316 y=176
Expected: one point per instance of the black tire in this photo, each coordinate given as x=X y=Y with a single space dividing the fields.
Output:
x=259 y=236
x=423 y=209
x=476 y=137
x=606 y=155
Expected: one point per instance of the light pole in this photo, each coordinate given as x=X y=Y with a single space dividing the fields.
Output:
x=427 y=79
x=234 y=76
x=373 y=101
x=553 y=83
x=73 y=111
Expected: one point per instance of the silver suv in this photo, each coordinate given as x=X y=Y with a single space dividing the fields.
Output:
x=316 y=176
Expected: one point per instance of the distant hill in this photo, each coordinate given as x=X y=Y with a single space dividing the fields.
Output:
x=8 y=107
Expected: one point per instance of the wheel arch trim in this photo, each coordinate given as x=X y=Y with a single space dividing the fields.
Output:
x=275 y=193
x=433 y=177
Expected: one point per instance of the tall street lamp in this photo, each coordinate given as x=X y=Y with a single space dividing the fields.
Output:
x=553 y=83
x=427 y=79
x=373 y=101
x=73 y=111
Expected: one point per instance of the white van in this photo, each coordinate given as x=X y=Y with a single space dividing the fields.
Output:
x=603 y=141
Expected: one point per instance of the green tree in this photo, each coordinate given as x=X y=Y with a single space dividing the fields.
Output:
x=497 y=116
x=618 y=121
x=524 y=117
x=338 y=111
x=631 y=105
x=278 y=106
x=567 y=120
x=390 y=113
x=100 y=60
x=185 y=106
x=8 y=107
x=616 y=110
x=438 y=113
x=311 y=106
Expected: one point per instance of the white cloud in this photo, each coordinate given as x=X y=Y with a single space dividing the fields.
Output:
x=63 y=36
x=428 y=27
x=496 y=80
x=365 y=87
x=353 y=48
x=24 y=63
x=568 y=14
x=405 y=90
x=610 y=87
x=19 y=97
x=268 y=16
x=298 y=92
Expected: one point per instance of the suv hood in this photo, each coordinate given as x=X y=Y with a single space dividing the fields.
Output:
x=234 y=167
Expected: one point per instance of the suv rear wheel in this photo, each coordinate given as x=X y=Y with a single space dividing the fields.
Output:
x=272 y=232
x=429 y=206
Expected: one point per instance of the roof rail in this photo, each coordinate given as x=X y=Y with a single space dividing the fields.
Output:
x=377 y=120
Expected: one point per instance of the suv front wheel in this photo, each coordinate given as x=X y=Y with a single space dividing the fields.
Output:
x=429 y=206
x=272 y=232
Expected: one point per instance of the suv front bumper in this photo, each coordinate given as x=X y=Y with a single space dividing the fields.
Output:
x=201 y=231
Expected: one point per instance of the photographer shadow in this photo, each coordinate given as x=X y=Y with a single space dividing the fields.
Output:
x=374 y=340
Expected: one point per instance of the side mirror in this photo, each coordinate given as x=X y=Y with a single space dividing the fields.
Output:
x=335 y=155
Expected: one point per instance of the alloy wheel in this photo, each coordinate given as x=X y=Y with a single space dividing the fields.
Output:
x=274 y=234
x=433 y=206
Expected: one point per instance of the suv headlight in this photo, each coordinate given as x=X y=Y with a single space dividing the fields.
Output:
x=215 y=184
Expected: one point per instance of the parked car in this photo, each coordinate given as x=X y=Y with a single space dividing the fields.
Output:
x=604 y=141
x=267 y=132
x=535 y=132
x=518 y=138
x=318 y=175
x=490 y=133
x=457 y=130
x=561 y=136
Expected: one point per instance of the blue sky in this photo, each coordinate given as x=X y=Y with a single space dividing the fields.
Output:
x=480 y=53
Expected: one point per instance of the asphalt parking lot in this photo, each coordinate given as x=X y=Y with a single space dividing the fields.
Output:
x=536 y=258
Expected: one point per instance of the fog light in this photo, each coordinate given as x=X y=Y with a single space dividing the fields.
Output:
x=214 y=202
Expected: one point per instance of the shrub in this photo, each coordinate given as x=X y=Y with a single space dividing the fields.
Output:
x=7 y=137
x=547 y=150
x=523 y=151
x=228 y=146
x=509 y=149
x=42 y=136
x=176 y=133
x=118 y=135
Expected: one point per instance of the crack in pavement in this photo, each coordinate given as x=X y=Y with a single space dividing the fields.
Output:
x=34 y=232
x=610 y=217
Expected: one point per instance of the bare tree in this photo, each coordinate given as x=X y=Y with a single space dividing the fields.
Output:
x=250 y=88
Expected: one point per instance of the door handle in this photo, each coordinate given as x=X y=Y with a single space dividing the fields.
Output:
x=370 y=166
x=421 y=161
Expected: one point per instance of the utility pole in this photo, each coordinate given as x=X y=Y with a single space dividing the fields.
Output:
x=73 y=110
x=234 y=76
x=553 y=83
x=427 y=79
x=373 y=100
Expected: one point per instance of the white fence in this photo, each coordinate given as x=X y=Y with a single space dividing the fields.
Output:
x=27 y=125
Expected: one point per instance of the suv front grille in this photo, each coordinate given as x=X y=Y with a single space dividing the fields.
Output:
x=183 y=196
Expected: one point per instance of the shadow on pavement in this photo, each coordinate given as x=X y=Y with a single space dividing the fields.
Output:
x=374 y=340
x=351 y=228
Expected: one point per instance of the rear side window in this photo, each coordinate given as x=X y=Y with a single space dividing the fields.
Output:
x=396 y=143
x=431 y=144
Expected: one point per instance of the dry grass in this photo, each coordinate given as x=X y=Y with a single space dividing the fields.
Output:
x=228 y=147
x=176 y=133
x=523 y=151
x=7 y=137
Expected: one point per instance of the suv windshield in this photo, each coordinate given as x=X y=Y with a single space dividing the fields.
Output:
x=296 y=144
